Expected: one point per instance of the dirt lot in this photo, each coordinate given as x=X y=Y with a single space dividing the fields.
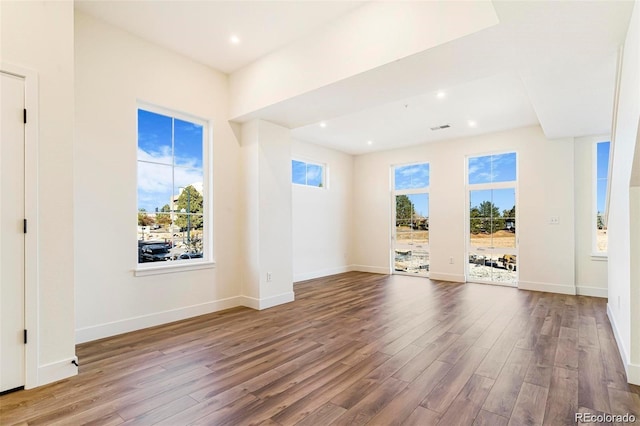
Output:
x=497 y=239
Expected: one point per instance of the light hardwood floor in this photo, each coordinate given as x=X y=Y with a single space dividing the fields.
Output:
x=352 y=349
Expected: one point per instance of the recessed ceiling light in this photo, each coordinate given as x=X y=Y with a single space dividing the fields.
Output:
x=369 y=142
x=323 y=124
x=472 y=123
x=234 y=39
x=441 y=95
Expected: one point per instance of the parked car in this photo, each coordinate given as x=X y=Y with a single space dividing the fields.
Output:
x=141 y=244
x=155 y=253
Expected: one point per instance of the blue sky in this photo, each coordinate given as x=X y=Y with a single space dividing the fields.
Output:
x=602 y=166
x=504 y=199
x=164 y=142
x=420 y=203
x=306 y=173
x=492 y=168
x=412 y=176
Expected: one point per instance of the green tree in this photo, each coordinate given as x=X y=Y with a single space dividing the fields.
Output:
x=404 y=210
x=486 y=218
x=189 y=201
x=164 y=218
x=511 y=213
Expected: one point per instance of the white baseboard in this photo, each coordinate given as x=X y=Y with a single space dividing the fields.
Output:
x=547 y=287
x=592 y=291
x=55 y=371
x=322 y=273
x=268 y=302
x=633 y=374
x=371 y=269
x=438 y=276
x=100 y=331
x=632 y=370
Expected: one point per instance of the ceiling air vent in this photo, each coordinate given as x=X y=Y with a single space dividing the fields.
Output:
x=444 y=126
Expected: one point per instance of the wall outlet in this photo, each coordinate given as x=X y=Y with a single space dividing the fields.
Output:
x=554 y=220
x=451 y=260
x=268 y=277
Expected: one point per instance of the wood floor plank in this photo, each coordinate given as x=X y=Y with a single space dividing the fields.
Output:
x=352 y=348
x=487 y=418
x=409 y=399
x=530 y=405
x=374 y=401
x=567 y=351
x=441 y=397
x=504 y=392
x=592 y=387
x=562 y=401
x=468 y=403
x=420 y=417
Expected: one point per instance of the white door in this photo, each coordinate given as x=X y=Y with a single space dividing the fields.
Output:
x=12 y=240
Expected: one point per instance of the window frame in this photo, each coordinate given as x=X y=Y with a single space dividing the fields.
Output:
x=208 y=259
x=323 y=166
x=597 y=254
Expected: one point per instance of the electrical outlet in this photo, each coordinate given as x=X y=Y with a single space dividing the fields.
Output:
x=451 y=260
x=268 y=277
x=554 y=220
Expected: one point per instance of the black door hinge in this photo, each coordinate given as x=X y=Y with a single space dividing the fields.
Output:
x=25 y=115
x=25 y=337
x=25 y=226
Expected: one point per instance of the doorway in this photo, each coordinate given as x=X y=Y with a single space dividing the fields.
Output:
x=410 y=242
x=492 y=243
x=12 y=232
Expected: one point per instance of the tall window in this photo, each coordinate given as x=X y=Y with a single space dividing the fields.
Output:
x=172 y=190
x=411 y=219
x=492 y=243
x=308 y=174
x=601 y=181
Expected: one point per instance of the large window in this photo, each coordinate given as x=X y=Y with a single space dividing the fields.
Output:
x=172 y=187
x=492 y=243
x=411 y=219
x=601 y=182
x=308 y=174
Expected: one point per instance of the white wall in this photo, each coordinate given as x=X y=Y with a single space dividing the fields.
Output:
x=546 y=181
x=322 y=217
x=113 y=71
x=39 y=36
x=591 y=271
x=623 y=293
x=266 y=216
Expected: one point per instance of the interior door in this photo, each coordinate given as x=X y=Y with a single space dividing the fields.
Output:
x=12 y=241
x=411 y=240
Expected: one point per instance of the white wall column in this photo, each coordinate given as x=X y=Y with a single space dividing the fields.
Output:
x=266 y=158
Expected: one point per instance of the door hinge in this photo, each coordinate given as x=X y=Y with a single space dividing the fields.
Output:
x=25 y=226
x=24 y=114
x=25 y=337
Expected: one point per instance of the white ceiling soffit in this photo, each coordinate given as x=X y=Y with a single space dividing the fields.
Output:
x=486 y=105
x=563 y=52
x=201 y=30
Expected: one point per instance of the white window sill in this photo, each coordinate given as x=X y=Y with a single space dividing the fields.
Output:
x=143 y=271
x=600 y=257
